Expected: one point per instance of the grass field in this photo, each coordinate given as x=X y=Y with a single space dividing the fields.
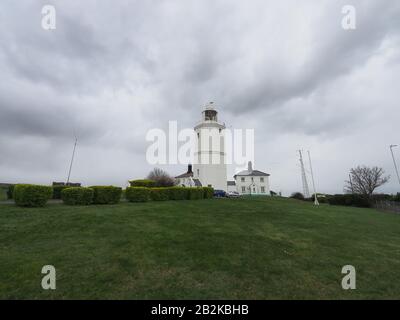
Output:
x=259 y=248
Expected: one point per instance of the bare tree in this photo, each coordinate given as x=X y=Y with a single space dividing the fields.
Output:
x=364 y=180
x=161 y=178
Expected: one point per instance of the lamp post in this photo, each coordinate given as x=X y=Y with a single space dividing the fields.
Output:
x=394 y=161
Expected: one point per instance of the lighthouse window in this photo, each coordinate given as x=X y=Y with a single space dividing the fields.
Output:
x=210 y=115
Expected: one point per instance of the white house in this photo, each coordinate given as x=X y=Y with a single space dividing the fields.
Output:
x=252 y=182
x=187 y=180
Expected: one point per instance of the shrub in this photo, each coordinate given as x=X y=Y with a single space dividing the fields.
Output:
x=10 y=192
x=195 y=193
x=106 y=194
x=382 y=197
x=178 y=193
x=397 y=197
x=161 y=178
x=77 y=195
x=57 y=191
x=3 y=193
x=349 y=200
x=208 y=192
x=143 y=183
x=30 y=195
x=297 y=195
x=137 y=194
x=159 y=194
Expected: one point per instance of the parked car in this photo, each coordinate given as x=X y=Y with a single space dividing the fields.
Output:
x=219 y=194
x=233 y=194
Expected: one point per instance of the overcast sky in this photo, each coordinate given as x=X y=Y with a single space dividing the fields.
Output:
x=112 y=70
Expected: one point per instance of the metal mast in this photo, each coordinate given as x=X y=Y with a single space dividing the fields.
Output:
x=72 y=159
x=303 y=177
x=312 y=179
x=394 y=161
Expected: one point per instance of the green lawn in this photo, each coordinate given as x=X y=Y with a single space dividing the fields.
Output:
x=259 y=248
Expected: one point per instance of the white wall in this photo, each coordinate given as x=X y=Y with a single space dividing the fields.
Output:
x=254 y=182
x=210 y=168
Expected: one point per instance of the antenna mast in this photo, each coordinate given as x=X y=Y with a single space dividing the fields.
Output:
x=394 y=161
x=312 y=179
x=303 y=177
x=72 y=159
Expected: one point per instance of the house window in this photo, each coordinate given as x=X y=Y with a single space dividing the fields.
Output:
x=261 y=179
x=198 y=172
x=254 y=190
x=242 y=179
x=252 y=179
x=243 y=189
x=262 y=189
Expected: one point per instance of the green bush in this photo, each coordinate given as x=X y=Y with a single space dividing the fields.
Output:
x=77 y=195
x=30 y=195
x=297 y=195
x=57 y=191
x=208 y=192
x=3 y=194
x=143 y=183
x=106 y=194
x=159 y=194
x=178 y=193
x=137 y=194
x=195 y=193
x=397 y=197
x=10 y=192
x=354 y=200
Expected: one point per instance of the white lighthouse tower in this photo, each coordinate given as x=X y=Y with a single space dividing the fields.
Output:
x=210 y=164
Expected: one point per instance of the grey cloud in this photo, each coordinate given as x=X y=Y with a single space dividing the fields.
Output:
x=112 y=71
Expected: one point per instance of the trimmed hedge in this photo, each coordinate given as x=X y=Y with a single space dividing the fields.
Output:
x=196 y=193
x=143 y=183
x=208 y=192
x=30 y=195
x=77 y=196
x=159 y=194
x=178 y=193
x=137 y=194
x=354 y=200
x=106 y=194
x=10 y=192
x=57 y=191
x=3 y=194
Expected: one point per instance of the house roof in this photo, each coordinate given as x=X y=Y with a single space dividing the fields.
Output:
x=5 y=185
x=231 y=183
x=185 y=175
x=197 y=182
x=252 y=173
